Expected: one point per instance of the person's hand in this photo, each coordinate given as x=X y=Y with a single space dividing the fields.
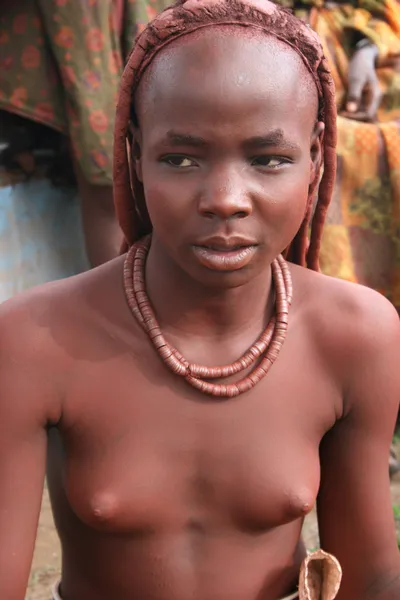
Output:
x=364 y=94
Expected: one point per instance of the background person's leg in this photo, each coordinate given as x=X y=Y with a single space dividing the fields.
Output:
x=85 y=42
x=103 y=237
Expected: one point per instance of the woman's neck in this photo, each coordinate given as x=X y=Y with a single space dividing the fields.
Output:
x=187 y=309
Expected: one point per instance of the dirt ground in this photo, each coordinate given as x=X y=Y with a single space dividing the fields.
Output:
x=47 y=558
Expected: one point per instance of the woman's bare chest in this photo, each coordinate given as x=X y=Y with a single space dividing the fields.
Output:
x=138 y=456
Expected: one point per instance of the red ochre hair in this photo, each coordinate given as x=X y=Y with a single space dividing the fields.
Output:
x=181 y=19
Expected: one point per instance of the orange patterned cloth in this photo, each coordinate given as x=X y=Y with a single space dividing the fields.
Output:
x=60 y=65
x=361 y=239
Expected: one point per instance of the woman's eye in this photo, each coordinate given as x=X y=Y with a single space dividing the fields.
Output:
x=272 y=162
x=180 y=162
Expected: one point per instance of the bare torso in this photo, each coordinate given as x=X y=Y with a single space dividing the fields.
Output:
x=159 y=492
x=171 y=494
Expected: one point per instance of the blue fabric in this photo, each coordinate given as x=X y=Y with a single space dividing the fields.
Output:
x=41 y=236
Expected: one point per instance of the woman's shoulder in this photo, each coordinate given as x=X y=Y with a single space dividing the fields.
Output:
x=356 y=329
x=48 y=331
x=349 y=304
x=72 y=304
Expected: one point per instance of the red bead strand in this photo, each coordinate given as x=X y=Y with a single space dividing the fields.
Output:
x=265 y=349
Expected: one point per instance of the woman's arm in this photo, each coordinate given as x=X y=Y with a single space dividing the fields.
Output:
x=24 y=405
x=354 y=504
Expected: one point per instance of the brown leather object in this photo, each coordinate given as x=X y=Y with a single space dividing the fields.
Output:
x=320 y=577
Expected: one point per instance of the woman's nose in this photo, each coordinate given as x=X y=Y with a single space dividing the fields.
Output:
x=225 y=197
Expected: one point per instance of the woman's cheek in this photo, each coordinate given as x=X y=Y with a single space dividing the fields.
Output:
x=285 y=215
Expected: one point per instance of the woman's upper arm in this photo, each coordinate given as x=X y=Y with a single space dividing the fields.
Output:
x=354 y=504
x=24 y=402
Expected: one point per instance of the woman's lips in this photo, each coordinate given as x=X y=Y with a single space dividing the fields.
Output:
x=227 y=259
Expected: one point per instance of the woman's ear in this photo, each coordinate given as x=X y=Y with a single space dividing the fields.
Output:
x=136 y=150
x=316 y=150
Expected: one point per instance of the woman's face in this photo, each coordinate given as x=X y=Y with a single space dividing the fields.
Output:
x=226 y=149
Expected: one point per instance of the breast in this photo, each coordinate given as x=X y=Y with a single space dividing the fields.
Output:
x=137 y=499
x=163 y=463
x=266 y=489
x=145 y=490
x=266 y=506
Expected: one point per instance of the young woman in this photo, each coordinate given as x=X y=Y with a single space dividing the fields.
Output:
x=170 y=479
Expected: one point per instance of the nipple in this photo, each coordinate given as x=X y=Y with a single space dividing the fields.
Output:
x=301 y=502
x=104 y=506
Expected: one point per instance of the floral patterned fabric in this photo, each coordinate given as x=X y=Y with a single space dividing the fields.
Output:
x=60 y=65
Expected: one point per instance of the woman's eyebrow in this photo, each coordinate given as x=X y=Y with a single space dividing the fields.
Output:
x=276 y=137
x=176 y=138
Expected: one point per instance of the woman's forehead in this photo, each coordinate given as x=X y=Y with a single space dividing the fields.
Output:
x=222 y=62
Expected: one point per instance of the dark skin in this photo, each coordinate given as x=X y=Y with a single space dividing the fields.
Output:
x=158 y=491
